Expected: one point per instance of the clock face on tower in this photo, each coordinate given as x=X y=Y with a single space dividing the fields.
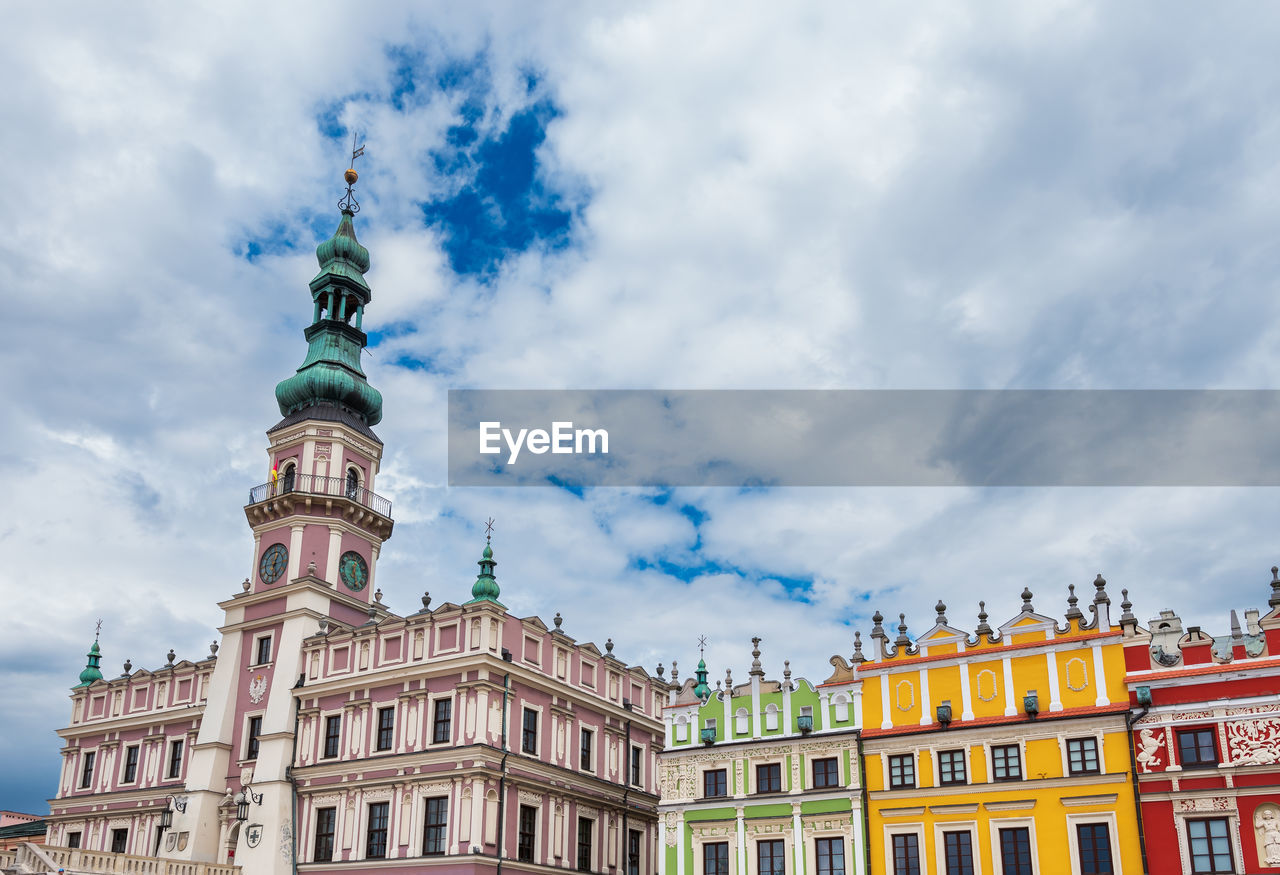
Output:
x=273 y=563
x=354 y=570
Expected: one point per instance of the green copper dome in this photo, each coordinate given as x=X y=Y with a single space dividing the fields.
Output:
x=702 y=689
x=485 y=589
x=91 y=671
x=331 y=373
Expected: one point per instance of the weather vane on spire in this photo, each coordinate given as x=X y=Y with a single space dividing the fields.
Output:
x=488 y=529
x=348 y=203
x=97 y=630
x=702 y=644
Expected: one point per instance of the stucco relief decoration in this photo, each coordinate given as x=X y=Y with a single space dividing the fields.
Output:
x=286 y=844
x=1205 y=803
x=1193 y=715
x=1254 y=742
x=906 y=694
x=528 y=798
x=987 y=687
x=672 y=835
x=381 y=795
x=1266 y=823
x=1077 y=674
x=257 y=688
x=1149 y=745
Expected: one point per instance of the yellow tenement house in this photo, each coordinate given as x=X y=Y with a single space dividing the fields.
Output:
x=1001 y=753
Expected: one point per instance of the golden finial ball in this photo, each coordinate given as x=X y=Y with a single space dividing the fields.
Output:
x=351 y=176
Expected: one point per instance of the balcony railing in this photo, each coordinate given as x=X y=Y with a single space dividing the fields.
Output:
x=29 y=857
x=310 y=484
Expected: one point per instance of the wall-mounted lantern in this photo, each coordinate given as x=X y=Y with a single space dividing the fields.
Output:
x=944 y=713
x=1031 y=704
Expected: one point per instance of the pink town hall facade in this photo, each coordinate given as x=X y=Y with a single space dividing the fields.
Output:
x=324 y=732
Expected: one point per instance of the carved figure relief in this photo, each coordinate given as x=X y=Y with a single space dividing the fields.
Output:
x=1149 y=752
x=1266 y=823
x=1253 y=742
x=988 y=689
x=672 y=835
x=1077 y=674
x=906 y=694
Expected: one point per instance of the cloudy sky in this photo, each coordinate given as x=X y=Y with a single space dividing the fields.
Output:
x=1027 y=195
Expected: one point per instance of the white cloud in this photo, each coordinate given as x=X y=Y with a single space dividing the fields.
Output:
x=1034 y=194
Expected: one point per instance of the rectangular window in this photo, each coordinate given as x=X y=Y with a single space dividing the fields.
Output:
x=332 y=732
x=1015 y=851
x=1094 y=840
x=771 y=856
x=119 y=840
x=529 y=732
x=1210 y=846
x=442 y=726
x=633 y=851
x=375 y=843
x=769 y=778
x=715 y=782
x=528 y=830
x=73 y=839
x=906 y=854
x=1196 y=749
x=951 y=767
x=386 y=728
x=255 y=729
x=584 y=751
x=326 y=820
x=434 y=830
x=826 y=772
x=902 y=771
x=1082 y=756
x=957 y=852
x=636 y=755
x=130 y=764
x=830 y=856
x=1006 y=762
x=585 y=828
x=86 y=768
x=175 y=758
x=264 y=650
x=715 y=858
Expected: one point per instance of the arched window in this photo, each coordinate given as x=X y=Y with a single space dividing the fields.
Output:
x=287 y=481
x=841 y=702
x=771 y=717
x=353 y=484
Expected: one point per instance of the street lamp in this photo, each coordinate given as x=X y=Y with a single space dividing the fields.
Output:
x=243 y=798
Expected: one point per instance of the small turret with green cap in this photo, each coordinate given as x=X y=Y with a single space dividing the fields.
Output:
x=485 y=589
x=702 y=689
x=92 y=672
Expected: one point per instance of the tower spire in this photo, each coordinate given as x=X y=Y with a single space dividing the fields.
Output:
x=92 y=670
x=485 y=589
x=331 y=375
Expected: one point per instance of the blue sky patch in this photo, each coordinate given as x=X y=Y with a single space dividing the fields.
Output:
x=503 y=207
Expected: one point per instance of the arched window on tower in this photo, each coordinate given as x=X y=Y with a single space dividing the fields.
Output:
x=353 y=484
x=287 y=481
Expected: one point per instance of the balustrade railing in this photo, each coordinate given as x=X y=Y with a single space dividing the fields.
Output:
x=46 y=859
x=312 y=484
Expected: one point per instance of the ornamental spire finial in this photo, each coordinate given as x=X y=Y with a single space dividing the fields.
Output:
x=485 y=589
x=348 y=204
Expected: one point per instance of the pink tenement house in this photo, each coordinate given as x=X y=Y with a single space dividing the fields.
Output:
x=328 y=734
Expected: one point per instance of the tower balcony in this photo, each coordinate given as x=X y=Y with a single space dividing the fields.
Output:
x=273 y=498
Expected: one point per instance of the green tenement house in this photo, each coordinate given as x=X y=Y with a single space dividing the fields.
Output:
x=762 y=777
